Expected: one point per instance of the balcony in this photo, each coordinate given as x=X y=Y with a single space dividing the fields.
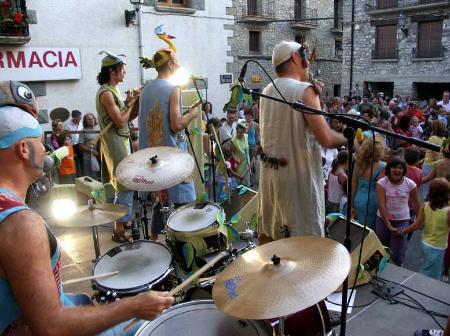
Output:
x=374 y=7
x=13 y=25
x=257 y=13
x=305 y=19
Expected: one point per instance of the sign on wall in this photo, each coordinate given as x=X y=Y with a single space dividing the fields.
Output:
x=40 y=64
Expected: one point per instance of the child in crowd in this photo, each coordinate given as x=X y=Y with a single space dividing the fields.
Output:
x=231 y=174
x=435 y=217
x=415 y=129
x=393 y=192
x=67 y=171
x=337 y=181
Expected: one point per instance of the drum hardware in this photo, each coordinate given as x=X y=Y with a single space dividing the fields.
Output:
x=248 y=234
x=183 y=285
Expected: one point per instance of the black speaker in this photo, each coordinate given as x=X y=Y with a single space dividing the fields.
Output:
x=373 y=257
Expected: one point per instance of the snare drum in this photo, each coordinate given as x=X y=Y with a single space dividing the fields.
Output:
x=142 y=265
x=201 y=318
x=195 y=230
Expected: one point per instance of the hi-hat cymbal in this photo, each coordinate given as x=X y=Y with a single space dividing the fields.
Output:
x=84 y=216
x=155 y=168
x=255 y=286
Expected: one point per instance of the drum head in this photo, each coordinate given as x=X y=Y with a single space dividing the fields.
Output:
x=201 y=318
x=139 y=263
x=193 y=217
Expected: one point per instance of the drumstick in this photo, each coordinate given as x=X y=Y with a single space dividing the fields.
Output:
x=184 y=284
x=92 y=277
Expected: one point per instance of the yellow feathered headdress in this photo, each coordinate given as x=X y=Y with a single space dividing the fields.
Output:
x=166 y=53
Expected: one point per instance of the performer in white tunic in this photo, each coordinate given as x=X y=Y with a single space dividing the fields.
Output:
x=291 y=194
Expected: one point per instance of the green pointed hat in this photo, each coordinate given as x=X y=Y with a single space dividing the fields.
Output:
x=111 y=59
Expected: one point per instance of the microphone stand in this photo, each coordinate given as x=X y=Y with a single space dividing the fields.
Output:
x=349 y=134
x=211 y=138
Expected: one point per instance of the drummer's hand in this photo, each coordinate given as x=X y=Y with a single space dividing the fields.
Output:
x=150 y=304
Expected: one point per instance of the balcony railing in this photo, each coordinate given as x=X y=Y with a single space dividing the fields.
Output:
x=437 y=52
x=375 y=5
x=384 y=54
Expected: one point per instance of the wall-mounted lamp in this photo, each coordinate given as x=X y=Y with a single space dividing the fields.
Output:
x=130 y=16
x=402 y=23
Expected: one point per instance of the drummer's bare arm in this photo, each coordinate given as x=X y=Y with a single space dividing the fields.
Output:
x=119 y=119
x=325 y=136
x=177 y=122
x=24 y=262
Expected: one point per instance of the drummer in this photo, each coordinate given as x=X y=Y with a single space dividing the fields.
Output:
x=32 y=300
x=162 y=124
x=115 y=144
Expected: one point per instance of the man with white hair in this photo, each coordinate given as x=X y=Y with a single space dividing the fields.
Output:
x=32 y=299
x=291 y=193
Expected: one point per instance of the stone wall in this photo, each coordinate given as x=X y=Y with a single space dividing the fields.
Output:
x=403 y=72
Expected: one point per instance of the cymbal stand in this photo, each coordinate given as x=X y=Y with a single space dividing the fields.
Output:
x=141 y=216
x=281 y=325
x=91 y=204
x=166 y=212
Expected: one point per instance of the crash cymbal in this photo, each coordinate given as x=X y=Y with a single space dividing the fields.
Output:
x=84 y=216
x=155 y=168
x=258 y=285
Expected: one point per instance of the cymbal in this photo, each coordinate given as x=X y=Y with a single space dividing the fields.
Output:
x=155 y=168
x=86 y=217
x=255 y=287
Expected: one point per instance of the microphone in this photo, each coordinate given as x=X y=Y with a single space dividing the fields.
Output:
x=242 y=74
x=53 y=160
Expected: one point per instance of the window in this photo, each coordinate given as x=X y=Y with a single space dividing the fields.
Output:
x=252 y=7
x=338 y=48
x=429 y=41
x=175 y=3
x=386 y=42
x=298 y=13
x=254 y=41
x=381 y=4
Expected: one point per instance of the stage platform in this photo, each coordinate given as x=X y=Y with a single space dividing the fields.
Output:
x=386 y=318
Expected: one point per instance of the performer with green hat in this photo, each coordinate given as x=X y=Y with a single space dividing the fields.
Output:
x=115 y=144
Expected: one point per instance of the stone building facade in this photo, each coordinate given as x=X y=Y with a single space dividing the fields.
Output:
x=261 y=24
x=400 y=47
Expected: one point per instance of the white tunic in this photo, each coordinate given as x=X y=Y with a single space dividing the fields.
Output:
x=292 y=195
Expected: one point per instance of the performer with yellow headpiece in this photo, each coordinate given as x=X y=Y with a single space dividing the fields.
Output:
x=115 y=144
x=161 y=122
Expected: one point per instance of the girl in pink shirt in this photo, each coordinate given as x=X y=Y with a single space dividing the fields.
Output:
x=393 y=192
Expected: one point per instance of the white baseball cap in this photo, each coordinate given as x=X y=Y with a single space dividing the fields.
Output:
x=283 y=51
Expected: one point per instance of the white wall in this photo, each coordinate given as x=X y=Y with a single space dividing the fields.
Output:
x=95 y=25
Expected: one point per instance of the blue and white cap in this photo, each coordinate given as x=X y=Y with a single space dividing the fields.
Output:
x=15 y=125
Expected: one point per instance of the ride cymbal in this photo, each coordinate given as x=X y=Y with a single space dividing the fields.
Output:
x=281 y=278
x=155 y=168
x=85 y=216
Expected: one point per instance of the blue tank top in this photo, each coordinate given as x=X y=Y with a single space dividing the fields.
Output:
x=154 y=130
x=11 y=314
x=252 y=135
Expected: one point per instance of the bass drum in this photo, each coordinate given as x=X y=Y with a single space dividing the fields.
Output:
x=201 y=318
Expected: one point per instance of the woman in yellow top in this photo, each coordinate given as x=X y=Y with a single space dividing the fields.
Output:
x=437 y=138
x=240 y=153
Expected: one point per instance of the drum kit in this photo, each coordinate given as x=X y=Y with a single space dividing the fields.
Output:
x=273 y=289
